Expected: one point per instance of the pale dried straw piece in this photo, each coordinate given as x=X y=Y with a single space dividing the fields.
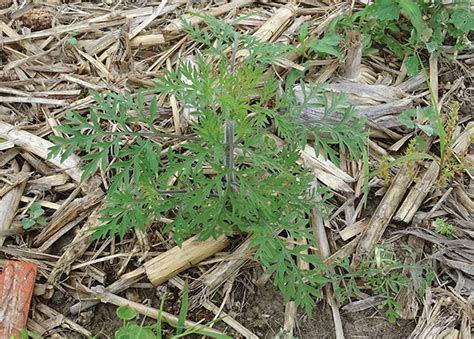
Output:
x=156 y=12
x=43 y=203
x=353 y=229
x=352 y=64
x=317 y=223
x=408 y=295
x=417 y=194
x=179 y=259
x=70 y=212
x=179 y=283
x=326 y=171
x=272 y=29
x=289 y=322
x=62 y=231
x=167 y=264
x=215 y=277
x=13 y=182
x=52 y=313
x=383 y=214
x=40 y=147
x=178 y=127
x=9 y=202
x=175 y=26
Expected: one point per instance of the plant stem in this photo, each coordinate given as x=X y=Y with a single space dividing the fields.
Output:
x=439 y=120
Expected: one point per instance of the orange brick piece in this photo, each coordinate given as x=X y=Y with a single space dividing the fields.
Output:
x=17 y=280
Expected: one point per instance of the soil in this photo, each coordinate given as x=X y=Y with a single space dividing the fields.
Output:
x=265 y=314
x=262 y=313
x=260 y=309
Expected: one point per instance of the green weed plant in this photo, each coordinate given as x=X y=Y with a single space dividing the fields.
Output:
x=228 y=175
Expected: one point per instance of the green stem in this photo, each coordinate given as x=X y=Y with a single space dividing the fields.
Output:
x=439 y=120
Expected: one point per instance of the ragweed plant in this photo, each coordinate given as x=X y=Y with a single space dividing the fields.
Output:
x=227 y=175
x=444 y=228
x=381 y=273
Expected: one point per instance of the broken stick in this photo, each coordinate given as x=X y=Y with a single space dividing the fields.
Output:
x=40 y=147
x=168 y=264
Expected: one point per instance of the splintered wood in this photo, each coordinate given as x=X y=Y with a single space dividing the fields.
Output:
x=53 y=53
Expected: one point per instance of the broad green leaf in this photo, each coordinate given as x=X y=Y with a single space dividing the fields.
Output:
x=140 y=332
x=329 y=44
x=412 y=11
x=385 y=10
x=406 y=117
x=126 y=312
x=435 y=41
x=41 y=221
x=72 y=40
x=24 y=333
x=463 y=19
x=27 y=223
x=124 y=333
x=412 y=65
x=36 y=210
x=427 y=129
x=420 y=143
x=429 y=113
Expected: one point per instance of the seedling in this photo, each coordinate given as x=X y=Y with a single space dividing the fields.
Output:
x=444 y=228
x=328 y=45
x=130 y=329
x=72 y=40
x=35 y=216
x=381 y=273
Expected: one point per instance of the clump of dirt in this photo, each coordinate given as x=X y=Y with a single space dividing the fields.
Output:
x=100 y=319
x=37 y=19
x=5 y=3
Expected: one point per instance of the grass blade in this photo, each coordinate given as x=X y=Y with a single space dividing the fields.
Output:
x=183 y=311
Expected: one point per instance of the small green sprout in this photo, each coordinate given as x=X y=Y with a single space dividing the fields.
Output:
x=443 y=228
x=72 y=40
x=35 y=216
